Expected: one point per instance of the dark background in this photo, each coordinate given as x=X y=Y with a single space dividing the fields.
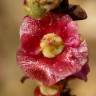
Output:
x=11 y=14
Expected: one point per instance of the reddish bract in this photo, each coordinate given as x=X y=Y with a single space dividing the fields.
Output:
x=50 y=71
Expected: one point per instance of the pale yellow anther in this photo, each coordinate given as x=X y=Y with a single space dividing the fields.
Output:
x=51 y=45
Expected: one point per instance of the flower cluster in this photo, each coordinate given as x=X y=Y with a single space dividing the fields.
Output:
x=51 y=50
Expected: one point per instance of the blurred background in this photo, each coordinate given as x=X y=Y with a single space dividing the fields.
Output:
x=11 y=14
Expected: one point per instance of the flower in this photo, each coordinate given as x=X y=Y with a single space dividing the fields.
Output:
x=49 y=63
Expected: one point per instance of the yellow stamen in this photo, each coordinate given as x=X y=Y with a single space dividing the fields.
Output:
x=51 y=45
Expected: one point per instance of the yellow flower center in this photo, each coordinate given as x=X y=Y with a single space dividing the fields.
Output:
x=51 y=45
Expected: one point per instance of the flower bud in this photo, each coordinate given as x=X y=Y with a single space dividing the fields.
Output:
x=37 y=8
